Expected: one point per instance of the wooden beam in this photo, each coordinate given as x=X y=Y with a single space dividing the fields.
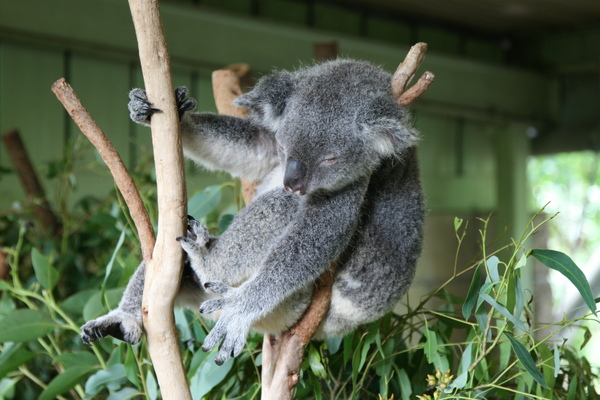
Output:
x=491 y=89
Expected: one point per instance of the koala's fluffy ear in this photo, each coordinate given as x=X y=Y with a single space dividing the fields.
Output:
x=268 y=99
x=387 y=127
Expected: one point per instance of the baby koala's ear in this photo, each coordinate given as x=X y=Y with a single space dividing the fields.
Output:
x=268 y=100
x=387 y=126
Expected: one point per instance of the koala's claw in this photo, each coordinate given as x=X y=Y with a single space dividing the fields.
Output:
x=197 y=237
x=184 y=104
x=210 y=306
x=140 y=110
x=218 y=287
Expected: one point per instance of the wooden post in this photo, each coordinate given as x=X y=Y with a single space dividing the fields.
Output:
x=30 y=182
x=325 y=51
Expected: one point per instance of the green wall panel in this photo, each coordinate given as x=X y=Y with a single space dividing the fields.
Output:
x=102 y=86
x=386 y=29
x=284 y=10
x=336 y=18
x=458 y=164
x=28 y=104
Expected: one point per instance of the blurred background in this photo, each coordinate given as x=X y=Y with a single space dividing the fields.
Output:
x=512 y=122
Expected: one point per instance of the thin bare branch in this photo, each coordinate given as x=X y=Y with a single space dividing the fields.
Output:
x=415 y=91
x=406 y=72
x=67 y=96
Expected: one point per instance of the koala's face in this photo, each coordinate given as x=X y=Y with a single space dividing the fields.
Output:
x=318 y=155
x=333 y=123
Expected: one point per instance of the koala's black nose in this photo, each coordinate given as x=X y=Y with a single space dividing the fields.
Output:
x=293 y=180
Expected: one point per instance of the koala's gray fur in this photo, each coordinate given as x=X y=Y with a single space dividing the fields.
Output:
x=336 y=160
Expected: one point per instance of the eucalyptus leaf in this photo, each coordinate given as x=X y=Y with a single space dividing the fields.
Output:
x=431 y=345
x=315 y=362
x=112 y=378
x=65 y=381
x=472 y=294
x=152 y=386
x=556 y=360
x=502 y=310
x=465 y=362
x=208 y=376
x=547 y=364
x=125 y=394
x=12 y=357
x=131 y=367
x=457 y=223
x=23 y=325
x=333 y=344
x=78 y=359
x=404 y=383
x=7 y=386
x=520 y=295
x=562 y=263
x=45 y=273
x=111 y=262
x=492 y=267
x=526 y=360
x=204 y=201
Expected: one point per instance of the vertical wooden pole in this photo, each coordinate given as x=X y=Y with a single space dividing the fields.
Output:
x=163 y=273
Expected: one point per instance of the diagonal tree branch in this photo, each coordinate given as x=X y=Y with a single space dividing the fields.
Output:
x=67 y=96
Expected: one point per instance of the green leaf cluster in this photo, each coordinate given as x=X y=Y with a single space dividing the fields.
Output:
x=482 y=346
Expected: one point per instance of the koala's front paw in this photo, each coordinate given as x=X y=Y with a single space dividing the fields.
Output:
x=231 y=328
x=184 y=104
x=140 y=110
x=117 y=324
x=196 y=239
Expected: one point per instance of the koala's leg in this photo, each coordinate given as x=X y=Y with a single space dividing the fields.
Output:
x=293 y=258
x=125 y=322
x=241 y=250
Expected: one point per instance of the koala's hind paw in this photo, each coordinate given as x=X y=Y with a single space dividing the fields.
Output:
x=232 y=330
x=210 y=306
x=117 y=324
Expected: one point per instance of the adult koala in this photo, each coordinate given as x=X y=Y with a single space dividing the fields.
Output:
x=336 y=159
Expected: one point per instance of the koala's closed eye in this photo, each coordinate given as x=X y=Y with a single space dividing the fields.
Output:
x=329 y=159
